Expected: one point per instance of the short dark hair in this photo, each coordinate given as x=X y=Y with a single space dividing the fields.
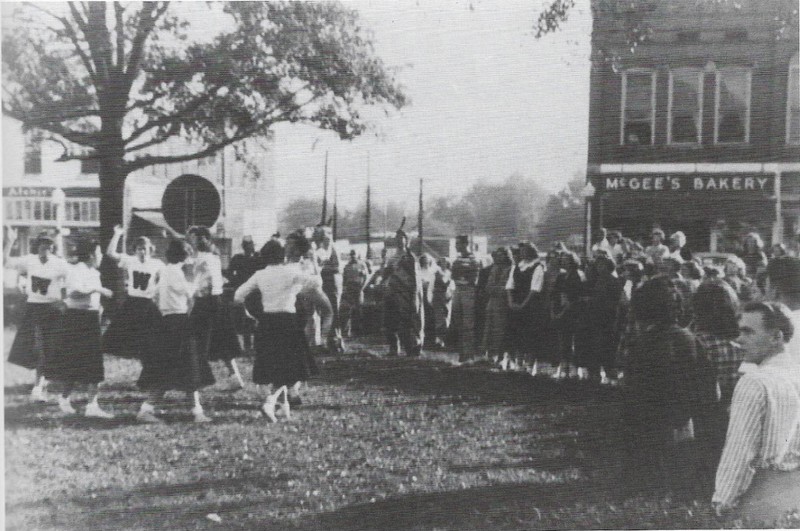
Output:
x=659 y=232
x=531 y=249
x=85 y=249
x=784 y=275
x=200 y=232
x=300 y=242
x=176 y=252
x=716 y=309
x=775 y=316
x=658 y=301
x=272 y=253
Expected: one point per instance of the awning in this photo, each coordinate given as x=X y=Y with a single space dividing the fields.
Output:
x=155 y=218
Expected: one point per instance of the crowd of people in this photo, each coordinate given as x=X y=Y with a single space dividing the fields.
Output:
x=706 y=356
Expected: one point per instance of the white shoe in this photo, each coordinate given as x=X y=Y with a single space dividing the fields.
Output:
x=93 y=410
x=269 y=408
x=148 y=417
x=200 y=416
x=285 y=409
x=66 y=406
x=38 y=394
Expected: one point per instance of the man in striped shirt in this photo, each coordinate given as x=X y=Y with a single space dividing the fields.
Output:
x=760 y=466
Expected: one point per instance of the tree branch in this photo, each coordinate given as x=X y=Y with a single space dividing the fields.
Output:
x=167 y=119
x=157 y=139
x=118 y=13
x=146 y=24
x=149 y=160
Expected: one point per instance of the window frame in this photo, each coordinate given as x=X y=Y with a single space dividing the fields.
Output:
x=794 y=70
x=718 y=78
x=701 y=83
x=624 y=98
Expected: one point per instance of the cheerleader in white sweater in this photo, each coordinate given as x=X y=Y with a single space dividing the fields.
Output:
x=79 y=361
x=180 y=365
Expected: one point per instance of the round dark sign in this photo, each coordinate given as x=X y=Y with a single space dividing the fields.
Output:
x=190 y=200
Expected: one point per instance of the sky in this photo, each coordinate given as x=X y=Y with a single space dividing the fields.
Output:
x=488 y=100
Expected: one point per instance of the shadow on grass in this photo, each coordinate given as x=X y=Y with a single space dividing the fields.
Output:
x=505 y=506
x=425 y=377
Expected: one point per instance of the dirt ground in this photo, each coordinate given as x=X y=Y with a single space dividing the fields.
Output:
x=379 y=443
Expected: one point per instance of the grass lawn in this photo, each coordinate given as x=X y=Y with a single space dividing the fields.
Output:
x=379 y=443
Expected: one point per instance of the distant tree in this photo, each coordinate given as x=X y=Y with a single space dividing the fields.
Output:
x=110 y=81
x=563 y=216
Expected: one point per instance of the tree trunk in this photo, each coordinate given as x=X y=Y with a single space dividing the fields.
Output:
x=112 y=187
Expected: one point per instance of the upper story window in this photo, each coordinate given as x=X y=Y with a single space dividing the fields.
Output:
x=638 y=107
x=732 y=108
x=793 y=105
x=685 y=107
x=33 y=153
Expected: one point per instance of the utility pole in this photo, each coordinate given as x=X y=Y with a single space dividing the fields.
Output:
x=368 y=214
x=325 y=192
x=421 y=215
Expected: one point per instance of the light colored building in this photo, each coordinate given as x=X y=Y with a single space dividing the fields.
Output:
x=31 y=178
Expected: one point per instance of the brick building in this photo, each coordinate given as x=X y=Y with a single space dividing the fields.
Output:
x=697 y=129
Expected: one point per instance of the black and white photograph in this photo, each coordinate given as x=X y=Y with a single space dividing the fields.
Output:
x=400 y=264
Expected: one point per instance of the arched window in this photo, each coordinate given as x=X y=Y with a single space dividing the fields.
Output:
x=793 y=104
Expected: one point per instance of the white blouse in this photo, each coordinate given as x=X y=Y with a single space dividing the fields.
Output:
x=80 y=283
x=174 y=290
x=208 y=274
x=279 y=286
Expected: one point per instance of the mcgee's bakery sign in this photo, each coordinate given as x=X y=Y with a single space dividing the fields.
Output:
x=759 y=183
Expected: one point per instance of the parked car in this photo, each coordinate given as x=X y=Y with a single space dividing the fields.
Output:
x=713 y=259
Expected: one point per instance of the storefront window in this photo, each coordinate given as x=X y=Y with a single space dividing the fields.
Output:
x=638 y=108
x=732 y=121
x=793 y=107
x=94 y=213
x=685 y=106
x=47 y=207
x=37 y=210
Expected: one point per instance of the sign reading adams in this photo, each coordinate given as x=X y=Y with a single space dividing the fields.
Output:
x=27 y=191
x=759 y=183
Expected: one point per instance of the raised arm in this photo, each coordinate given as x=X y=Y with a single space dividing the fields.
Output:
x=111 y=251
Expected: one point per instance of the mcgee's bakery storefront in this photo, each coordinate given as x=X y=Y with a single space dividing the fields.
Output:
x=714 y=209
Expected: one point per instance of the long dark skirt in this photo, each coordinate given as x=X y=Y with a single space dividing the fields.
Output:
x=42 y=320
x=282 y=353
x=80 y=358
x=528 y=328
x=131 y=333
x=177 y=365
x=215 y=330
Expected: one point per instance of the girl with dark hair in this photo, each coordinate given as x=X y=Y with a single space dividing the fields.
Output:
x=604 y=292
x=527 y=320
x=39 y=336
x=79 y=360
x=495 y=337
x=716 y=325
x=130 y=334
x=212 y=326
x=666 y=385
x=567 y=309
x=282 y=354
x=178 y=365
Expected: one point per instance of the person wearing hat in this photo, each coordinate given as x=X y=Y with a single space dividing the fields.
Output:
x=677 y=247
x=465 y=271
x=44 y=278
x=403 y=304
x=242 y=266
x=79 y=361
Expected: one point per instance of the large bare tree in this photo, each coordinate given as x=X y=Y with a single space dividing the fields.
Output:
x=110 y=81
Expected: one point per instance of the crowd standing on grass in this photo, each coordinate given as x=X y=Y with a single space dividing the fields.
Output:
x=704 y=356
